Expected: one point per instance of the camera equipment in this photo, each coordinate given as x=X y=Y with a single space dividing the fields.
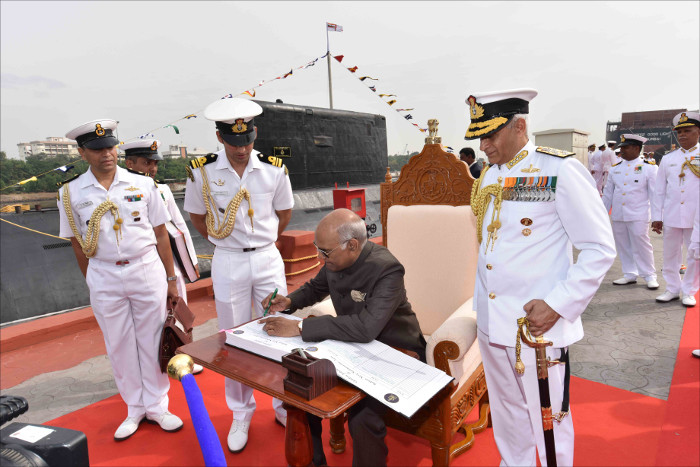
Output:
x=26 y=444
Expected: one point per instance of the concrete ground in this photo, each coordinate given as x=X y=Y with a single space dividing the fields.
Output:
x=630 y=343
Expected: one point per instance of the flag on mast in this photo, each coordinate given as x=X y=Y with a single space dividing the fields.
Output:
x=334 y=27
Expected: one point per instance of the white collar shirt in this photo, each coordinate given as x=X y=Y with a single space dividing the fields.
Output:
x=270 y=191
x=630 y=190
x=677 y=197
x=595 y=163
x=177 y=219
x=532 y=256
x=139 y=205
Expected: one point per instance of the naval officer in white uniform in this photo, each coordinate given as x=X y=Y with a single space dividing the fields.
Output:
x=240 y=182
x=629 y=192
x=673 y=210
x=115 y=221
x=142 y=156
x=532 y=204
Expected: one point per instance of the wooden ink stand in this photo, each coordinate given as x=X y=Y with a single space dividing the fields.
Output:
x=308 y=377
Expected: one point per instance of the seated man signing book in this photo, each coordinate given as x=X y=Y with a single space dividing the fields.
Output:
x=366 y=285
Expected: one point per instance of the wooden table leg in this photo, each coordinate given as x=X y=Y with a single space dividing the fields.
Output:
x=337 y=440
x=298 y=448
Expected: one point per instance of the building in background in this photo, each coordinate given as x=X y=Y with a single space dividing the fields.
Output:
x=179 y=150
x=655 y=125
x=567 y=139
x=51 y=146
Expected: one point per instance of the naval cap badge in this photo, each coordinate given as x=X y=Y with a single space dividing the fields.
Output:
x=475 y=110
x=99 y=131
x=684 y=118
x=239 y=126
x=154 y=146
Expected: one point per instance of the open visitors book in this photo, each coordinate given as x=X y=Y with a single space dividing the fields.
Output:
x=401 y=382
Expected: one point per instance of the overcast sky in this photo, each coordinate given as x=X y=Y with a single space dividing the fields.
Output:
x=148 y=64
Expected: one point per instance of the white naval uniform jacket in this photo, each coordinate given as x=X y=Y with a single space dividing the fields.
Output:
x=676 y=199
x=176 y=216
x=270 y=191
x=630 y=190
x=540 y=265
x=140 y=208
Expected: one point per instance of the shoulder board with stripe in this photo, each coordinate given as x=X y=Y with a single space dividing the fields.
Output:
x=615 y=165
x=203 y=160
x=554 y=152
x=650 y=162
x=136 y=172
x=274 y=161
x=60 y=184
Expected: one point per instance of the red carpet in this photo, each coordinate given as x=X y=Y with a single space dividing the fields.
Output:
x=613 y=427
x=679 y=442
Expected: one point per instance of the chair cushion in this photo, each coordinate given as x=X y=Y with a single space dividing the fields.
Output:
x=437 y=246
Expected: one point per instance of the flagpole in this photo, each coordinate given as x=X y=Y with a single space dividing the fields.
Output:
x=330 y=81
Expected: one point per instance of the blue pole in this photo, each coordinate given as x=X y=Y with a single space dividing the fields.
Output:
x=209 y=443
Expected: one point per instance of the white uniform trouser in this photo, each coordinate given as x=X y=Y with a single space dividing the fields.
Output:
x=515 y=405
x=239 y=279
x=635 y=250
x=674 y=241
x=129 y=305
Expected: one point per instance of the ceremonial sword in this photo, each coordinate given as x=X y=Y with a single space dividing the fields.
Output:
x=540 y=345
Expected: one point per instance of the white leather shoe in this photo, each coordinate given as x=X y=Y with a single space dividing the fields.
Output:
x=688 y=300
x=238 y=436
x=696 y=353
x=624 y=281
x=667 y=297
x=197 y=369
x=128 y=428
x=167 y=421
x=281 y=419
x=652 y=284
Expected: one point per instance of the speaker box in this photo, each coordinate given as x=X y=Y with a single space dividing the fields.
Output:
x=59 y=447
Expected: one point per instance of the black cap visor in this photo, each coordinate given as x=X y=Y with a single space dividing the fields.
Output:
x=238 y=140
x=101 y=143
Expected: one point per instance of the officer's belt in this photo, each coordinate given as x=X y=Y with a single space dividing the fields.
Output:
x=244 y=250
x=137 y=259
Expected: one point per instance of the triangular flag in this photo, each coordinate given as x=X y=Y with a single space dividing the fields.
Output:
x=408 y=117
x=177 y=130
x=251 y=93
x=404 y=110
x=339 y=57
x=287 y=74
x=227 y=96
x=387 y=95
x=374 y=89
x=353 y=69
x=362 y=78
x=190 y=116
x=391 y=102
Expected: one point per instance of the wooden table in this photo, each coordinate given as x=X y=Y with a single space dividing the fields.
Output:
x=267 y=376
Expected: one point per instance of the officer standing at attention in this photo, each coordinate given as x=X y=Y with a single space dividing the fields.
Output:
x=142 y=157
x=532 y=204
x=673 y=210
x=115 y=221
x=241 y=201
x=629 y=192
x=595 y=164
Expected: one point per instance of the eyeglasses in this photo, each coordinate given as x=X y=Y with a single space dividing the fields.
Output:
x=327 y=253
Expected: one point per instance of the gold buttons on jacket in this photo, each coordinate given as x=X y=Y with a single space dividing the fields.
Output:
x=527 y=232
x=489 y=267
x=492 y=295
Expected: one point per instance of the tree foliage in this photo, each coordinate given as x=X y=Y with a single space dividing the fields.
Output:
x=13 y=171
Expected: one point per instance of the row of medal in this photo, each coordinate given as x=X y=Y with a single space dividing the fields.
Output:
x=537 y=189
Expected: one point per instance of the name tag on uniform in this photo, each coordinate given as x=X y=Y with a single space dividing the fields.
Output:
x=537 y=189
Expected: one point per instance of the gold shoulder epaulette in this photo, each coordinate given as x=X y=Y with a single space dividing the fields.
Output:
x=554 y=152
x=274 y=161
x=136 y=172
x=203 y=160
x=60 y=184
x=651 y=162
x=615 y=165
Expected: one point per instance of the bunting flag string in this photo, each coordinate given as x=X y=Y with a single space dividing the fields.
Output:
x=34 y=178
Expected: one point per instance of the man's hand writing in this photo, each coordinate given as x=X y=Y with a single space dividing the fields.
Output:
x=281 y=327
x=541 y=316
x=280 y=303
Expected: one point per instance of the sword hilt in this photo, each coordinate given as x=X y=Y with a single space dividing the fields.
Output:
x=538 y=343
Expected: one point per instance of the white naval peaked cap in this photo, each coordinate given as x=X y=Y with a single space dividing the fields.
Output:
x=491 y=111
x=234 y=119
x=684 y=119
x=629 y=139
x=612 y=142
x=95 y=134
x=147 y=147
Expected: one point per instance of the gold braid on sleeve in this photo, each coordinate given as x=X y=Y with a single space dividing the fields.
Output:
x=480 y=199
x=89 y=243
x=216 y=228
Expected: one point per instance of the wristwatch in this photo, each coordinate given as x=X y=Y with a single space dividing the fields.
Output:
x=173 y=278
x=301 y=323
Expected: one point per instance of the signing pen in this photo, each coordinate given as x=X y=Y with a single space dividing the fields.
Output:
x=269 y=304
